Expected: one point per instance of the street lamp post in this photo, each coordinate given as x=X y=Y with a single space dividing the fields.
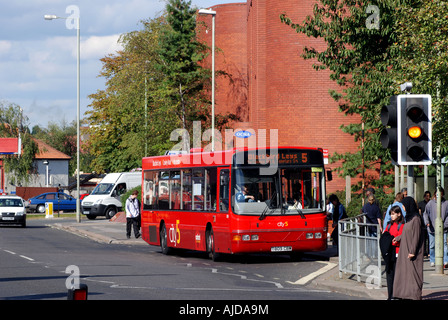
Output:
x=213 y=14
x=52 y=17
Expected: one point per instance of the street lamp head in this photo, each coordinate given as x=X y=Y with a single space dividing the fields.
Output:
x=50 y=17
x=204 y=12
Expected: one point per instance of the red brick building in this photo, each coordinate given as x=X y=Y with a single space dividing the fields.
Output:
x=269 y=85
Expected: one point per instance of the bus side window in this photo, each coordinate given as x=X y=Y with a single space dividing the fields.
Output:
x=186 y=189
x=148 y=190
x=224 y=190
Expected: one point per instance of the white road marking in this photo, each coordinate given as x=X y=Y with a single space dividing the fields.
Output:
x=311 y=276
x=25 y=257
x=9 y=251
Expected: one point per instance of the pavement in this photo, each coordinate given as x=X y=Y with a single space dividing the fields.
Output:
x=435 y=286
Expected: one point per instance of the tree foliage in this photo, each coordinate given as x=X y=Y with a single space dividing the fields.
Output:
x=180 y=52
x=422 y=42
x=155 y=85
x=117 y=120
x=12 y=123
x=369 y=62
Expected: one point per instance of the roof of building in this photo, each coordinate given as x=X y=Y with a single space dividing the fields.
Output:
x=48 y=152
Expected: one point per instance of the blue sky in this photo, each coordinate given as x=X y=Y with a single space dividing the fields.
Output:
x=38 y=57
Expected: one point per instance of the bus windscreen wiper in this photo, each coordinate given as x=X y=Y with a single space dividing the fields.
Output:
x=268 y=206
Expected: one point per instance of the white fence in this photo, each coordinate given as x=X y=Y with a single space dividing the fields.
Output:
x=359 y=252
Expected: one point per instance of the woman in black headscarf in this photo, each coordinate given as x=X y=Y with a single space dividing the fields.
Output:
x=408 y=282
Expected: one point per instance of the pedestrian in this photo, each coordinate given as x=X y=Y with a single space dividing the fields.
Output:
x=421 y=209
x=397 y=202
x=373 y=215
x=422 y=204
x=370 y=191
x=404 y=191
x=408 y=280
x=395 y=228
x=329 y=208
x=429 y=217
x=133 y=215
x=339 y=213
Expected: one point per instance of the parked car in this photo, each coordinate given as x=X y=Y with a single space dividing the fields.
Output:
x=60 y=200
x=12 y=210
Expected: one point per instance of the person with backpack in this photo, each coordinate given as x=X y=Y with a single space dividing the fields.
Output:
x=393 y=229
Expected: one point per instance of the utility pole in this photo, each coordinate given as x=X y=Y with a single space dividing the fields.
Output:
x=438 y=228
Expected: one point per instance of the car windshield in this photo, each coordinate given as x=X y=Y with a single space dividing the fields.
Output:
x=11 y=203
x=103 y=188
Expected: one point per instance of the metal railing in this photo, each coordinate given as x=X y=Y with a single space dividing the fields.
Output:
x=359 y=251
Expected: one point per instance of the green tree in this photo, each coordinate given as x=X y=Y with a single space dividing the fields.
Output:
x=154 y=86
x=180 y=56
x=118 y=127
x=12 y=124
x=423 y=60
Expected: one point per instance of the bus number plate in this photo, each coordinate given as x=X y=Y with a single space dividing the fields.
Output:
x=281 y=249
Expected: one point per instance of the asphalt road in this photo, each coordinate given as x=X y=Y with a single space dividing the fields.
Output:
x=34 y=262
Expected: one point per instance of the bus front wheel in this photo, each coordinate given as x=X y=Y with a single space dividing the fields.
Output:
x=211 y=245
x=164 y=240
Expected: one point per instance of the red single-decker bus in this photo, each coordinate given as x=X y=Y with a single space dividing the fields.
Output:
x=236 y=201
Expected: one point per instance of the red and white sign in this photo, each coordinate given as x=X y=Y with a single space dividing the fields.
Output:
x=325 y=152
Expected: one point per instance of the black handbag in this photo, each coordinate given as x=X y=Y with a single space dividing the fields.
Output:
x=387 y=249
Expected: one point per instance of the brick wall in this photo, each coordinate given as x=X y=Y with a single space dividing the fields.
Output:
x=270 y=85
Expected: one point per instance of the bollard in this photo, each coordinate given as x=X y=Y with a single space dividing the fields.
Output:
x=48 y=210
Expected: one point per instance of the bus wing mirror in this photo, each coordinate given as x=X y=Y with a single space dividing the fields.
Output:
x=329 y=175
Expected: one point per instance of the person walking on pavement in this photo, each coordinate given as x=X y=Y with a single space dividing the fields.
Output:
x=421 y=209
x=395 y=228
x=408 y=280
x=429 y=218
x=339 y=213
x=133 y=215
x=373 y=215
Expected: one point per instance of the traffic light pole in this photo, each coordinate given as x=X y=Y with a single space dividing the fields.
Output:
x=410 y=181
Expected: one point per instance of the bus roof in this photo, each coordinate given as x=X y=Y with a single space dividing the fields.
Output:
x=197 y=158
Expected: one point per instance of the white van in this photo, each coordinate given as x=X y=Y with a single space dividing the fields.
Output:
x=105 y=198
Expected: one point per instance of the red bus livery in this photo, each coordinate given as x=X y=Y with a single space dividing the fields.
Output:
x=236 y=201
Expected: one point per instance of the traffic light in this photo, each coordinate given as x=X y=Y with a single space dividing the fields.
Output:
x=414 y=129
x=389 y=135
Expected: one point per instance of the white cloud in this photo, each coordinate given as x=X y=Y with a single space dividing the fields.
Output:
x=5 y=46
x=97 y=47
